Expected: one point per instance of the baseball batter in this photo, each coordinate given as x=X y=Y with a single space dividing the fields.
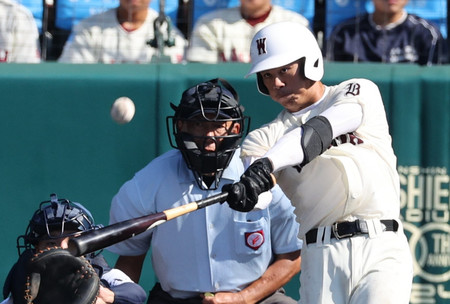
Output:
x=331 y=152
x=224 y=35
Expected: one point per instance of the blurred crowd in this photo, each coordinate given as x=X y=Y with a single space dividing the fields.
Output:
x=148 y=31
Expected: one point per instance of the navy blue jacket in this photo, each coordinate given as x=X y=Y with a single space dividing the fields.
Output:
x=413 y=40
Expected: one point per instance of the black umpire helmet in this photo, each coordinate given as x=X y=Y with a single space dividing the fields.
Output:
x=216 y=101
x=56 y=218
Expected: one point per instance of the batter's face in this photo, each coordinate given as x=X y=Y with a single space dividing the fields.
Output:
x=208 y=134
x=288 y=86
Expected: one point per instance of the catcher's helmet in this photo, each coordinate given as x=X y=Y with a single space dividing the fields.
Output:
x=54 y=219
x=281 y=43
x=216 y=101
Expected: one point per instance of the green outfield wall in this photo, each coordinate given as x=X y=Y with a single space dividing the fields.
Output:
x=57 y=137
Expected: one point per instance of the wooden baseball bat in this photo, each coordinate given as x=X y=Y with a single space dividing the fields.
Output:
x=97 y=239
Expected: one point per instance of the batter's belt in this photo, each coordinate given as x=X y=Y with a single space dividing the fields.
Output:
x=348 y=229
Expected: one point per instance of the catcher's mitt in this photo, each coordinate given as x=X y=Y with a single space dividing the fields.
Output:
x=55 y=276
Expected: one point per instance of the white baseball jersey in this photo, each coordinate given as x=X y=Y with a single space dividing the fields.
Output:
x=345 y=183
x=340 y=170
x=101 y=39
x=19 y=36
x=224 y=36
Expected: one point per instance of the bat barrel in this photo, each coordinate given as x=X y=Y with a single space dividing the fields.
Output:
x=76 y=248
x=97 y=239
x=106 y=236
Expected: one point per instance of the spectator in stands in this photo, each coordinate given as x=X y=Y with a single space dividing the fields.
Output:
x=126 y=34
x=224 y=35
x=389 y=34
x=19 y=35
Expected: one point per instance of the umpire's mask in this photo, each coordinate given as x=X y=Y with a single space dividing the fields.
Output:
x=213 y=101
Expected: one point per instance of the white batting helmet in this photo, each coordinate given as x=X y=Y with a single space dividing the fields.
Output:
x=281 y=43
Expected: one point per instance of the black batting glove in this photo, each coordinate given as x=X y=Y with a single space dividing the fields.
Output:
x=243 y=195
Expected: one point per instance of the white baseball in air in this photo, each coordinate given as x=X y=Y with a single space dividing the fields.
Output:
x=122 y=110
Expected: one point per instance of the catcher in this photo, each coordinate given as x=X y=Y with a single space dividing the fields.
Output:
x=46 y=273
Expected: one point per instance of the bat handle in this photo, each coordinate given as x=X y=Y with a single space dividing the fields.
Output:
x=219 y=198
x=178 y=211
